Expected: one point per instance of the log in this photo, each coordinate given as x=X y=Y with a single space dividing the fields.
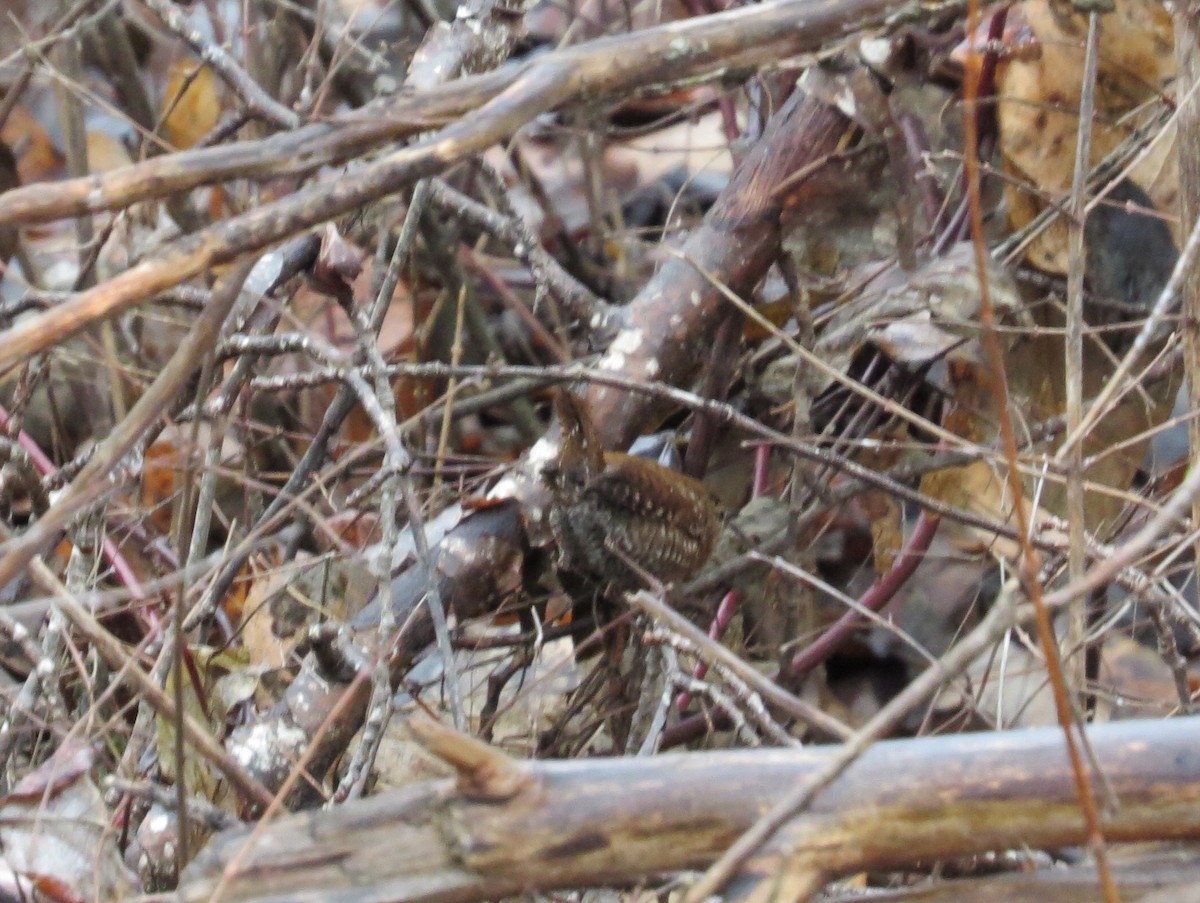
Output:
x=505 y=827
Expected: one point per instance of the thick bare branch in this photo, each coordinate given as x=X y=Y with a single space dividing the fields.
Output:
x=571 y=824
x=708 y=47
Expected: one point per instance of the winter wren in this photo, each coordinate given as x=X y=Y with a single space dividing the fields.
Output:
x=607 y=508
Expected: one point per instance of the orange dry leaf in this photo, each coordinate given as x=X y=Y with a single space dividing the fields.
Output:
x=884 y=510
x=105 y=152
x=191 y=104
x=887 y=527
x=37 y=158
x=775 y=312
x=162 y=464
x=1114 y=448
x=236 y=599
x=268 y=643
x=1039 y=102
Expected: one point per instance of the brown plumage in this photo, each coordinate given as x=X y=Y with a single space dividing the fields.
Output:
x=607 y=505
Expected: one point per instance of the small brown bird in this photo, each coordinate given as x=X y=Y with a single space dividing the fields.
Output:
x=608 y=509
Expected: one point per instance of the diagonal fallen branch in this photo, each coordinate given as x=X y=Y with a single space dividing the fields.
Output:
x=723 y=45
x=708 y=47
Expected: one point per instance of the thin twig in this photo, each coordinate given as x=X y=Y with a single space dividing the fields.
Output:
x=716 y=653
x=1076 y=516
x=1029 y=565
x=247 y=89
x=993 y=627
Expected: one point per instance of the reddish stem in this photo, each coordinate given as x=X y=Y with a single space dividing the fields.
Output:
x=879 y=594
x=112 y=554
x=729 y=602
x=762 y=460
x=725 y=612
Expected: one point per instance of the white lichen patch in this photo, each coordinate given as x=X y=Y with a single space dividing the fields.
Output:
x=875 y=51
x=628 y=341
x=678 y=47
x=541 y=454
x=261 y=749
